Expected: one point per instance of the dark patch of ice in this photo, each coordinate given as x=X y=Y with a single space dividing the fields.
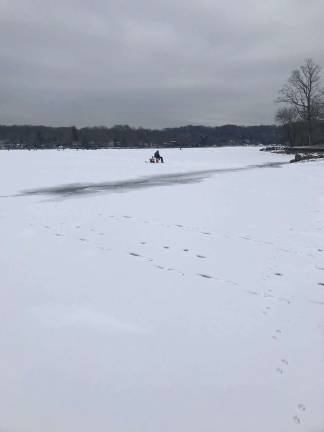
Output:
x=122 y=186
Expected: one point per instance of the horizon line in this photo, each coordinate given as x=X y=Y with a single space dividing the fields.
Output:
x=137 y=127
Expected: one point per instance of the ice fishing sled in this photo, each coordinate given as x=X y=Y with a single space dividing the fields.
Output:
x=154 y=160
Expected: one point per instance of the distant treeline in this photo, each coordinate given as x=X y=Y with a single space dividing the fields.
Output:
x=125 y=136
x=295 y=134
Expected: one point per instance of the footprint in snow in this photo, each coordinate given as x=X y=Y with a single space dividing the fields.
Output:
x=296 y=419
x=185 y=250
x=284 y=361
x=278 y=274
x=316 y=302
x=283 y=299
x=143 y=243
x=166 y=247
x=200 y=256
x=231 y=282
x=134 y=254
x=206 y=233
x=280 y=371
x=83 y=239
x=104 y=249
x=321 y=283
x=206 y=276
x=276 y=335
x=301 y=407
x=255 y=293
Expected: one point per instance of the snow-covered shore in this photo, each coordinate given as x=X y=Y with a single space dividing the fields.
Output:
x=191 y=305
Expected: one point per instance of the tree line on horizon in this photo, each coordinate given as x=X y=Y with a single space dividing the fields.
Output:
x=124 y=136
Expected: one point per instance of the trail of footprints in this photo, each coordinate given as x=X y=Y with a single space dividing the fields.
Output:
x=199 y=256
x=138 y=255
x=284 y=363
x=281 y=369
x=143 y=243
x=297 y=418
x=209 y=233
x=202 y=231
x=160 y=267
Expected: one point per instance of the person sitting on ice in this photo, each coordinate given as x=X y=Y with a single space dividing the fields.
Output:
x=158 y=157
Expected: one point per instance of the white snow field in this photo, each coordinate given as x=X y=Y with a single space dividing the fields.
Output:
x=152 y=298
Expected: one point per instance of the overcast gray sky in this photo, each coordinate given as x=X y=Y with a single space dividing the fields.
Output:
x=151 y=63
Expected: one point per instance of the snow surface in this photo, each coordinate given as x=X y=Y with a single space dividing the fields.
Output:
x=180 y=303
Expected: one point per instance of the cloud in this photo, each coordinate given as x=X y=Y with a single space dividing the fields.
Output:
x=151 y=63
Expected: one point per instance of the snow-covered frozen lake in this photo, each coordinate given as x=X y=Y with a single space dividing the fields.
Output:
x=181 y=297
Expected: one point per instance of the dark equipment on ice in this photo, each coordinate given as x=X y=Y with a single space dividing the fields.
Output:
x=157 y=158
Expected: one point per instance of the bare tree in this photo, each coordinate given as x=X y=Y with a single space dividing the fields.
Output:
x=287 y=118
x=304 y=94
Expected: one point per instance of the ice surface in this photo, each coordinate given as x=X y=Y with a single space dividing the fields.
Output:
x=185 y=296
